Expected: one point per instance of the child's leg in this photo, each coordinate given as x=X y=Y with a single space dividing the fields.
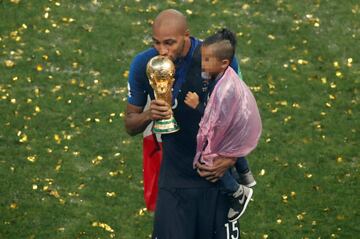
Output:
x=242 y=165
x=229 y=183
x=239 y=196
x=245 y=176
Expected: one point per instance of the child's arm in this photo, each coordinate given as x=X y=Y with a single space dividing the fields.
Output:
x=192 y=100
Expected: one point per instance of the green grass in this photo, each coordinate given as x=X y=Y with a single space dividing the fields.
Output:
x=69 y=170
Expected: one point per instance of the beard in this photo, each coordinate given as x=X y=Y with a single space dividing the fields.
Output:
x=178 y=55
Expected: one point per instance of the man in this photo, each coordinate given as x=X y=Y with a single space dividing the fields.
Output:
x=190 y=204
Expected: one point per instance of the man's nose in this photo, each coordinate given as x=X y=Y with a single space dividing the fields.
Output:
x=163 y=51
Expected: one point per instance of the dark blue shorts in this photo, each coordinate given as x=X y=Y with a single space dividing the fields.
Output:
x=199 y=213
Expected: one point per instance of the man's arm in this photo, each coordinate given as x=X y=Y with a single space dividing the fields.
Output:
x=136 y=119
x=221 y=164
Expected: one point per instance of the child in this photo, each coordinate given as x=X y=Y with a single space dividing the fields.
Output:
x=231 y=124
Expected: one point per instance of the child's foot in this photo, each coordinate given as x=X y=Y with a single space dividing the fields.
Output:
x=239 y=202
x=247 y=179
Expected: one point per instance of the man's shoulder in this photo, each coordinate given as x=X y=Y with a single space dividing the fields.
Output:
x=143 y=57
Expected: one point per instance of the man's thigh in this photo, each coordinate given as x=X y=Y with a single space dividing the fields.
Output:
x=175 y=215
x=193 y=214
x=213 y=222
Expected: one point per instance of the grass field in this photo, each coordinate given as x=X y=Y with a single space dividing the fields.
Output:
x=69 y=170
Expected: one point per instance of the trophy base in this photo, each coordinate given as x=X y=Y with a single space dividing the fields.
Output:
x=165 y=126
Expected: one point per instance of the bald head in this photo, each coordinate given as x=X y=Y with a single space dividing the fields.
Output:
x=171 y=19
x=170 y=34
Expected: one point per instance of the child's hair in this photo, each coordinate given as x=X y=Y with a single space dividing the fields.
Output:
x=226 y=43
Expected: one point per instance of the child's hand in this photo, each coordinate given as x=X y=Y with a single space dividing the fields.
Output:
x=192 y=99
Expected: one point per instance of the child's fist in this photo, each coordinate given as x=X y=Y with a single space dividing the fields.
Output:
x=191 y=99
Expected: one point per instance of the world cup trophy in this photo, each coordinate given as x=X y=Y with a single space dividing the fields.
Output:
x=160 y=71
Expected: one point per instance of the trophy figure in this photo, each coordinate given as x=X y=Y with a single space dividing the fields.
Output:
x=160 y=71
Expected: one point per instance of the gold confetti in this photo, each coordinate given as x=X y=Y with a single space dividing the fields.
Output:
x=339 y=159
x=39 y=68
x=265 y=236
x=32 y=158
x=57 y=167
x=126 y=74
x=13 y=205
x=9 y=63
x=142 y=211
x=332 y=97
x=110 y=194
x=23 y=137
x=279 y=221
x=245 y=6
x=54 y=193
x=286 y=119
x=271 y=37
x=339 y=74
x=262 y=172
x=34 y=187
x=189 y=12
x=302 y=62
x=105 y=226
x=112 y=174
x=97 y=160
x=349 y=62
x=57 y=138
x=81 y=186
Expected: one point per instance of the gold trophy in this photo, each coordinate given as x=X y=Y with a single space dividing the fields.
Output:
x=160 y=71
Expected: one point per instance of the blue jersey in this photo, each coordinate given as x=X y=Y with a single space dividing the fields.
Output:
x=178 y=148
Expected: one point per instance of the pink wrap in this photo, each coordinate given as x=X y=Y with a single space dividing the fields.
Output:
x=231 y=124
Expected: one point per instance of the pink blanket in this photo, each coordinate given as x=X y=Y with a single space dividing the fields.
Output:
x=231 y=125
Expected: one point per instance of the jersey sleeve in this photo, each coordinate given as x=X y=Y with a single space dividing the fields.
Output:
x=137 y=94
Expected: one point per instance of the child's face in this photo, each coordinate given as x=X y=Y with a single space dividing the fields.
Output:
x=211 y=66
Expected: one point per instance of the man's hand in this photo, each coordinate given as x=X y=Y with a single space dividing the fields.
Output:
x=191 y=99
x=221 y=164
x=159 y=109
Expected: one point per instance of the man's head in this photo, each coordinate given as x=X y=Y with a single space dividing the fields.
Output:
x=171 y=35
x=217 y=52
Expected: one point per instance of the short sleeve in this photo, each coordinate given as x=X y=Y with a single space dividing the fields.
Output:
x=137 y=93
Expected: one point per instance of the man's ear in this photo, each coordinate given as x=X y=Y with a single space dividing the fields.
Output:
x=187 y=33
